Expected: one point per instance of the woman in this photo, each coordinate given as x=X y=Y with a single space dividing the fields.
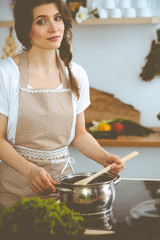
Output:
x=43 y=96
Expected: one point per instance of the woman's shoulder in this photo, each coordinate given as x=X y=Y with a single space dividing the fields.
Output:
x=77 y=68
x=9 y=73
x=8 y=65
x=79 y=72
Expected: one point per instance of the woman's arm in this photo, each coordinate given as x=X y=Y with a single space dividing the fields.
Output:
x=88 y=145
x=39 y=180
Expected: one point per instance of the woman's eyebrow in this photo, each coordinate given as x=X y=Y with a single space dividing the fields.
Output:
x=44 y=16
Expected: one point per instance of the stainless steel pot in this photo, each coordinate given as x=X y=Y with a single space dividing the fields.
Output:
x=94 y=198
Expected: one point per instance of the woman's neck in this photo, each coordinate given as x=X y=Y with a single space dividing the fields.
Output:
x=42 y=59
x=43 y=69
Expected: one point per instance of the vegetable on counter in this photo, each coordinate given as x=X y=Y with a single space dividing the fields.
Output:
x=41 y=219
x=111 y=128
x=118 y=127
x=131 y=128
x=103 y=127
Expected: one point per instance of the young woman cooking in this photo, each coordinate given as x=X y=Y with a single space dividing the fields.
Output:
x=43 y=95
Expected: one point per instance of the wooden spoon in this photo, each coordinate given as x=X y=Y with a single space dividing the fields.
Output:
x=89 y=179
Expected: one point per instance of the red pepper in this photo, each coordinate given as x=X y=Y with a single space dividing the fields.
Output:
x=118 y=127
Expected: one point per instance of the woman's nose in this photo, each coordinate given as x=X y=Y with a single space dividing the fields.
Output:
x=52 y=26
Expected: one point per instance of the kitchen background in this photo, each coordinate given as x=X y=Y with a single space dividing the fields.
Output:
x=113 y=56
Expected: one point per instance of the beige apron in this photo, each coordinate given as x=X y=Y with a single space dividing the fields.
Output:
x=44 y=126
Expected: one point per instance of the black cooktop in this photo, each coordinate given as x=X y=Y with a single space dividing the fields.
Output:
x=129 y=193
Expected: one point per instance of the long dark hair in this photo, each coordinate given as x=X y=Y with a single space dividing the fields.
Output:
x=23 y=22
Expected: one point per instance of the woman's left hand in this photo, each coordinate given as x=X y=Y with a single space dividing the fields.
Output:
x=118 y=167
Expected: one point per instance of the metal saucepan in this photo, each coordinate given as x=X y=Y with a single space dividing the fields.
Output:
x=94 y=198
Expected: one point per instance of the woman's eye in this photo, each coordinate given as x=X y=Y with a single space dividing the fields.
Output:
x=41 y=22
x=58 y=18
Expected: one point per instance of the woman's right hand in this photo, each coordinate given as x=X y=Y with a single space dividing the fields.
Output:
x=40 y=181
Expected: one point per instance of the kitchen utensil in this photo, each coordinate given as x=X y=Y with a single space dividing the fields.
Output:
x=91 y=201
x=146 y=215
x=89 y=179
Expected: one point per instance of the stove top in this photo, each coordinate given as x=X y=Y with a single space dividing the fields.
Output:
x=129 y=193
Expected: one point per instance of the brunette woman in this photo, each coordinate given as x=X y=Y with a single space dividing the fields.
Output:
x=43 y=95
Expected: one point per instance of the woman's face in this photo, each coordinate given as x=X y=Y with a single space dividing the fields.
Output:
x=47 y=28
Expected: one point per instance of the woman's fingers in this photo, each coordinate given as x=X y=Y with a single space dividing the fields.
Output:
x=48 y=183
x=52 y=183
x=41 y=181
x=117 y=168
x=36 y=187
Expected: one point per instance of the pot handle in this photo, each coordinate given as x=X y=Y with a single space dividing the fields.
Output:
x=60 y=188
x=116 y=180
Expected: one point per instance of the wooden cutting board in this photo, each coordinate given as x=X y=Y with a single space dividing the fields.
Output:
x=105 y=106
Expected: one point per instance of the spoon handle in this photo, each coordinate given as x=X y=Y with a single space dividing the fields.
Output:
x=104 y=170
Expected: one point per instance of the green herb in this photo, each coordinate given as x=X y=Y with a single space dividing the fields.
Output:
x=158 y=116
x=40 y=219
x=152 y=66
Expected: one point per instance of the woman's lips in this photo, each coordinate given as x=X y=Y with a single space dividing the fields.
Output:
x=55 y=38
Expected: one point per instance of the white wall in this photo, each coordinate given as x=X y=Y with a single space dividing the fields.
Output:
x=113 y=57
x=146 y=165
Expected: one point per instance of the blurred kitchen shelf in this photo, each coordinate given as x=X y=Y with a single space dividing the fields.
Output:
x=6 y=23
x=107 y=21
x=111 y=21
x=153 y=140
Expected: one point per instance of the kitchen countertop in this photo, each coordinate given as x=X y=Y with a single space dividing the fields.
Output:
x=153 y=140
x=129 y=192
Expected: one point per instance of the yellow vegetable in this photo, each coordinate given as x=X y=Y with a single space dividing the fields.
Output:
x=104 y=127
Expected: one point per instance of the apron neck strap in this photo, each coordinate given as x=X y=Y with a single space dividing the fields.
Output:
x=63 y=73
x=23 y=65
x=24 y=71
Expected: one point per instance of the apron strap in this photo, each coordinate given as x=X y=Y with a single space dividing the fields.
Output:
x=23 y=58
x=63 y=73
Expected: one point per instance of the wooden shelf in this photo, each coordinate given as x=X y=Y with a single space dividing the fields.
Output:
x=107 y=21
x=111 y=21
x=6 y=23
x=153 y=140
